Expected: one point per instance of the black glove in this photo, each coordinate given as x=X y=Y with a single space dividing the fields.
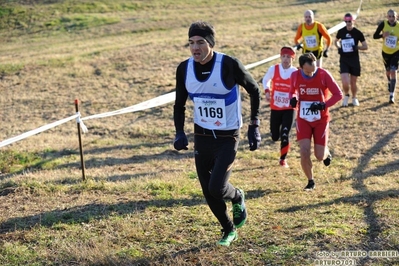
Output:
x=355 y=48
x=317 y=106
x=298 y=46
x=293 y=102
x=340 y=51
x=325 y=53
x=253 y=137
x=181 y=141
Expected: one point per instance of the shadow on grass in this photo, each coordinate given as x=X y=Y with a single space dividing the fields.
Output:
x=358 y=199
x=89 y=212
x=53 y=156
x=339 y=113
x=365 y=197
x=305 y=2
x=112 y=161
x=190 y=256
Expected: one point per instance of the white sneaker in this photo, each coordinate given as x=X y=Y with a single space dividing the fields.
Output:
x=284 y=163
x=345 y=101
x=355 y=102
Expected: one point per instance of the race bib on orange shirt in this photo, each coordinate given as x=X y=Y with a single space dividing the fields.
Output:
x=281 y=99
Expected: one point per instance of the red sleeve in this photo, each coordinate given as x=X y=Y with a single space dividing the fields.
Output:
x=293 y=90
x=335 y=90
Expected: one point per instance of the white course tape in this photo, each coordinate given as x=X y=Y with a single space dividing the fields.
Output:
x=36 y=131
x=264 y=61
x=80 y=122
x=157 y=101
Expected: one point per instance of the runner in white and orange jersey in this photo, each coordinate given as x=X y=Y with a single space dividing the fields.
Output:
x=276 y=84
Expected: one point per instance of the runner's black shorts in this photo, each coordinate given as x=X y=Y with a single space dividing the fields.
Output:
x=391 y=61
x=350 y=65
x=316 y=53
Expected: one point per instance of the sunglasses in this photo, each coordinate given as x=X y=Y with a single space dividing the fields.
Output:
x=348 y=21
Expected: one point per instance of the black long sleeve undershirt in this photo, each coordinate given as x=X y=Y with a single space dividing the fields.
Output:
x=377 y=34
x=233 y=72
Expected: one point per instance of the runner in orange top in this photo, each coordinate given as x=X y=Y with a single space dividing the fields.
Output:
x=311 y=34
x=310 y=90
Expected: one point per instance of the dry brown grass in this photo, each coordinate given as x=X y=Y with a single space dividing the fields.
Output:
x=142 y=204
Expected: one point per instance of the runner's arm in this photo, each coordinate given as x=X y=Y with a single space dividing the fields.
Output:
x=245 y=79
x=267 y=78
x=298 y=35
x=179 y=107
x=293 y=90
x=323 y=30
x=336 y=92
x=377 y=34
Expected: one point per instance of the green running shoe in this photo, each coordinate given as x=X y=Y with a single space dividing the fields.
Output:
x=240 y=211
x=227 y=238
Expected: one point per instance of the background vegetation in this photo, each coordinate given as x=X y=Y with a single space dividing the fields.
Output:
x=141 y=203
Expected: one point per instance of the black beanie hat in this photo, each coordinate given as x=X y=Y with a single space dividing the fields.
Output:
x=205 y=31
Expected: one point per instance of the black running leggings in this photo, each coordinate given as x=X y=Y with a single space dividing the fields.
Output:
x=280 y=126
x=214 y=159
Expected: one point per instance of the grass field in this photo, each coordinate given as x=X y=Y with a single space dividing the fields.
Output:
x=141 y=202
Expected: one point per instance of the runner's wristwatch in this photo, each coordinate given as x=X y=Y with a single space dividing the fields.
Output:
x=255 y=122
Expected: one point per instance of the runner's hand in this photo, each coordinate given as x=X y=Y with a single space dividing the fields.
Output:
x=293 y=102
x=254 y=137
x=180 y=142
x=317 y=106
x=267 y=95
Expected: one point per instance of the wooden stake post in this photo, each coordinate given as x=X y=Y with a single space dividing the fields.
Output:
x=82 y=162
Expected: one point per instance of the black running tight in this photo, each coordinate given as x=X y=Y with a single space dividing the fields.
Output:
x=214 y=157
x=280 y=126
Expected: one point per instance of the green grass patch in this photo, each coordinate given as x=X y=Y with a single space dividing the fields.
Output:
x=14 y=161
x=79 y=22
x=62 y=16
x=56 y=62
x=15 y=253
x=10 y=69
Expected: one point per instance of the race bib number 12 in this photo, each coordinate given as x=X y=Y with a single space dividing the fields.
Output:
x=307 y=114
x=391 y=41
x=311 y=41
